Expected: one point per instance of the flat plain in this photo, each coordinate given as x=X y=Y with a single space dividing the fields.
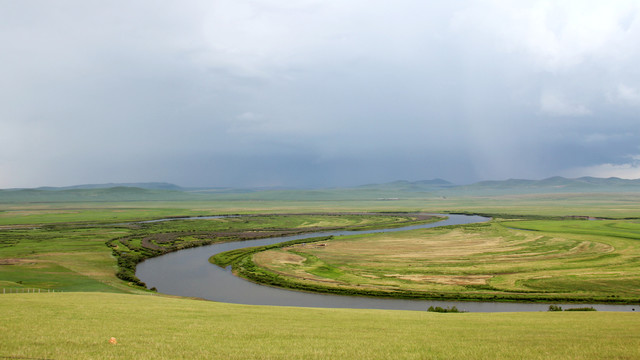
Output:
x=64 y=246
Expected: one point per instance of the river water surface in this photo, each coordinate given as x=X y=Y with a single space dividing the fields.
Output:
x=188 y=273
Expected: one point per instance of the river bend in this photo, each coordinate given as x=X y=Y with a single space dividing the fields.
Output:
x=188 y=273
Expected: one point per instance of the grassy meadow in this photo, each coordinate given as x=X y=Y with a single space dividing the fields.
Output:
x=550 y=260
x=79 y=326
x=76 y=247
x=607 y=205
x=88 y=257
x=60 y=258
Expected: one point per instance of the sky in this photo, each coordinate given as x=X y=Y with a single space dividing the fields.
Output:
x=317 y=93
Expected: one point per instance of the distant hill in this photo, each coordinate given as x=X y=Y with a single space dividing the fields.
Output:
x=117 y=193
x=403 y=189
x=400 y=189
x=403 y=185
x=556 y=184
x=148 y=185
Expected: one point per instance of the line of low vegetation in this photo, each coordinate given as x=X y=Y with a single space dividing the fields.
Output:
x=516 y=216
x=559 y=308
x=447 y=309
x=512 y=216
x=129 y=256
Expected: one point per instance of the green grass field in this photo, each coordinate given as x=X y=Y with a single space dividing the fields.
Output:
x=611 y=205
x=63 y=246
x=61 y=258
x=79 y=326
x=75 y=256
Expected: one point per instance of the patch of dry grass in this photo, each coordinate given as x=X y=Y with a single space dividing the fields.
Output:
x=493 y=259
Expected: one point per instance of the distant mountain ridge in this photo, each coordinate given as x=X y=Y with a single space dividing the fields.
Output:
x=404 y=185
x=557 y=182
x=400 y=189
x=143 y=185
x=98 y=194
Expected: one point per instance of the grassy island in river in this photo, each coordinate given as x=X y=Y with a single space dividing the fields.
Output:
x=544 y=260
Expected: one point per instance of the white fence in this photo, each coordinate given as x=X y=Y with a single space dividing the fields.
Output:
x=28 y=291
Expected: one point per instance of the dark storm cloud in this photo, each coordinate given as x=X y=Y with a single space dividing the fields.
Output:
x=316 y=93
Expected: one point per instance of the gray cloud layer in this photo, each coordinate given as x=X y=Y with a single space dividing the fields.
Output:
x=319 y=93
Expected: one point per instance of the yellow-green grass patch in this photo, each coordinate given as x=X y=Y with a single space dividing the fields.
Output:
x=563 y=260
x=80 y=325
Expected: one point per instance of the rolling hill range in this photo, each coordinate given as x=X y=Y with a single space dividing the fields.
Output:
x=115 y=193
x=555 y=184
x=401 y=189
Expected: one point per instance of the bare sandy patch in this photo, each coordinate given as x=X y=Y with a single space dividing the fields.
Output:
x=370 y=276
x=30 y=262
x=278 y=257
x=453 y=244
x=12 y=261
x=445 y=279
x=280 y=262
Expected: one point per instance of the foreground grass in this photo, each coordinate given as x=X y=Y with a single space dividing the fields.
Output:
x=79 y=325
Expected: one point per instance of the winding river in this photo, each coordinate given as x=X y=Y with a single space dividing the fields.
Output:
x=188 y=273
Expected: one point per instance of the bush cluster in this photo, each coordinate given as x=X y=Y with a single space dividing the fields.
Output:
x=559 y=308
x=439 y=309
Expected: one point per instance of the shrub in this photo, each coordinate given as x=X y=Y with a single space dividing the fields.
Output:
x=439 y=309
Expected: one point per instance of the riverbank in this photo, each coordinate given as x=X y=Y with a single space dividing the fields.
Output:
x=188 y=273
x=550 y=261
x=72 y=256
x=157 y=237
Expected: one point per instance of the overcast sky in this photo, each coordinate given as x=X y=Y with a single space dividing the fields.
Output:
x=316 y=92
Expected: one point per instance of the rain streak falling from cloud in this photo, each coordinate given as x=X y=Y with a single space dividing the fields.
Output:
x=316 y=93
